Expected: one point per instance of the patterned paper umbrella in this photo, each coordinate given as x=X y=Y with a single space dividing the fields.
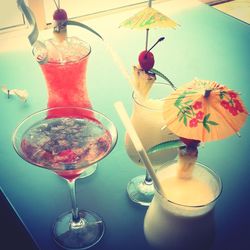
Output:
x=204 y=110
x=148 y=18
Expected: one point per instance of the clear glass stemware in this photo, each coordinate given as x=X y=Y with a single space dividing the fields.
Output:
x=147 y=119
x=67 y=141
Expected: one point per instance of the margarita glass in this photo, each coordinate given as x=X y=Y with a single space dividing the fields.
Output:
x=182 y=218
x=68 y=145
x=147 y=119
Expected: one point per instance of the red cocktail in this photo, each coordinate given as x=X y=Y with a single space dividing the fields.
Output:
x=67 y=145
x=65 y=73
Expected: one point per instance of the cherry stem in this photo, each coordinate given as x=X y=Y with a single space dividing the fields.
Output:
x=57 y=5
x=159 y=40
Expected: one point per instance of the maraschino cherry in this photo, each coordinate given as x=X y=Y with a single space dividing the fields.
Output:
x=60 y=22
x=60 y=15
x=146 y=60
x=146 y=57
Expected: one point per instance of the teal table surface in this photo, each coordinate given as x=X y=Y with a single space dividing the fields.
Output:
x=209 y=45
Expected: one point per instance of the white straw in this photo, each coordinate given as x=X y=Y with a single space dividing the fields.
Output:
x=137 y=143
x=118 y=62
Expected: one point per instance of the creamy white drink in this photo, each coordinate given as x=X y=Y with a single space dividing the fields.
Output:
x=147 y=119
x=184 y=218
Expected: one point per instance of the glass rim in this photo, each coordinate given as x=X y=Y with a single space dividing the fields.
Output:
x=137 y=100
x=58 y=169
x=213 y=173
x=85 y=56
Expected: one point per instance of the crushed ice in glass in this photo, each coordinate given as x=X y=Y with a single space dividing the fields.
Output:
x=70 y=50
x=65 y=143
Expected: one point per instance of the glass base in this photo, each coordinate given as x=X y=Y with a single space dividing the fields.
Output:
x=89 y=171
x=82 y=235
x=139 y=191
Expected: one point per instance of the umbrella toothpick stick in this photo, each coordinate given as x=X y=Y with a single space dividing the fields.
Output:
x=147 y=30
x=137 y=143
x=146 y=47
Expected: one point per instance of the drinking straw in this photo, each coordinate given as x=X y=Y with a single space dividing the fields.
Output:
x=118 y=62
x=31 y=20
x=137 y=143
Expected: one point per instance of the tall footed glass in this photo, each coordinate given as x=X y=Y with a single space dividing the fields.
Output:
x=64 y=66
x=68 y=145
x=147 y=119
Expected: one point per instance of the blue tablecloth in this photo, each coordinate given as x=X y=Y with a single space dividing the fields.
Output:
x=209 y=45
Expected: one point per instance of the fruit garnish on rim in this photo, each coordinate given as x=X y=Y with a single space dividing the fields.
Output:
x=187 y=157
x=61 y=21
x=146 y=57
x=145 y=74
x=143 y=81
x=188 y=153
x=60 y=17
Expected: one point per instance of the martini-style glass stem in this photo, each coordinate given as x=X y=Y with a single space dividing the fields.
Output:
x=148 y=180
x=75 y=212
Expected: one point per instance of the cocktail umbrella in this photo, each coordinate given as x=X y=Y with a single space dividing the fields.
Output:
x=148 y=18
x=144 y=20
x=204 y=110
x=201 y=111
